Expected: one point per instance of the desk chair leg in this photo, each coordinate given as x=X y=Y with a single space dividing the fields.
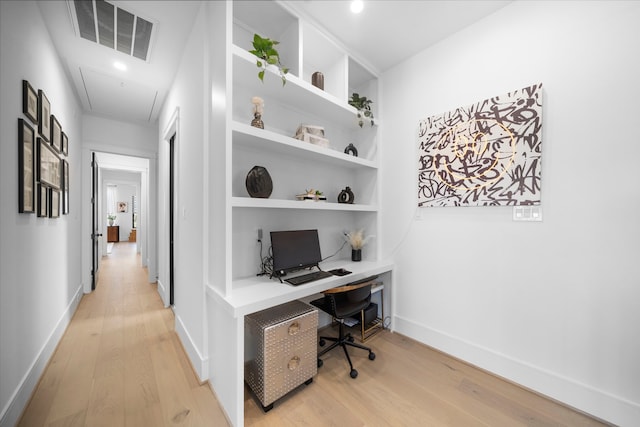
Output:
x=343 y=340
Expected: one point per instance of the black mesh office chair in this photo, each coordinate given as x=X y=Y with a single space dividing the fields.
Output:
x=343 y=302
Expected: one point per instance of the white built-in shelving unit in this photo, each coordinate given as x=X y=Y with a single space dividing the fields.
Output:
x=294 y=167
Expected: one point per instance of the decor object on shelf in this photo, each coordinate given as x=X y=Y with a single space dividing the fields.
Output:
x=363 y=105
x=258 y=182
x=314 y=195
x=351 y=150
x=357 y=240
x=258 y=108
x=267 y=55
x=317 y=79
x=111 y=217
x=312 y=134
x=485 y=154
x=346 y=196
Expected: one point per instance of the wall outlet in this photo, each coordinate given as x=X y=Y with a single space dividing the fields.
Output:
x=259 y=233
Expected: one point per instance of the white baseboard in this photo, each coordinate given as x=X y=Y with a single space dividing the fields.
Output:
x=199 y=363
x=163 y=292
x=12 y=411
x=582 y=397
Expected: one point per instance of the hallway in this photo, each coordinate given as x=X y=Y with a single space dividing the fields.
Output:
x=120 y=361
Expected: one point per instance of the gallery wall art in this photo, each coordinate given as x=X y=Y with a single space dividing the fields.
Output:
x=485 y=154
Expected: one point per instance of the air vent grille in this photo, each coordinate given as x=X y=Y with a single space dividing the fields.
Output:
x=114 y=27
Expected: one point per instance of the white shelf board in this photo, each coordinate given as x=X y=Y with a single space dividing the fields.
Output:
x=258 y=293
x=248 y=202
x=256 y=138
x=296 y=92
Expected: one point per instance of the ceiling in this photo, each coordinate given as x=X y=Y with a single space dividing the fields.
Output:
x=137 y=94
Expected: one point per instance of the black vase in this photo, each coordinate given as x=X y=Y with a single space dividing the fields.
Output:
x=356 y=254
x=258 y=183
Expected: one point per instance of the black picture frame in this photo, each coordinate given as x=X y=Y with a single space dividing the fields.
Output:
x=43 y=201
x=65 y=144
x=65 y=187
x=26 y=171
x=49 y=165
x=44 y=114
x=30 y=102
x=54 y=203
x=56 y=134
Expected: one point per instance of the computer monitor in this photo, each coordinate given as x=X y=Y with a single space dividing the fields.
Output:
x=294 y=250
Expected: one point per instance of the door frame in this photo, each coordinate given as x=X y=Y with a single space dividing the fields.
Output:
x=167 y=271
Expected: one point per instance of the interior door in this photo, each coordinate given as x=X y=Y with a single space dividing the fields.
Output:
x=95 y=224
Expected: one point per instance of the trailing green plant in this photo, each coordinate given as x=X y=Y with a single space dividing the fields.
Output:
x=363 y=105
x=267 y=55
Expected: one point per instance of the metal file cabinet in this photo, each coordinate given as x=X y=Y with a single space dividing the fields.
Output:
x=280 y=350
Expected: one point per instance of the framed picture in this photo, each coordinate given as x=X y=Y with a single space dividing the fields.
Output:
x=43 y=201
x=48 y=165
x=122 y=206
x=26 y=175
x=65 y=144
x=44 y=112
x=54 y=203
x=65 y=187
x=29 y=102
x=56 y=134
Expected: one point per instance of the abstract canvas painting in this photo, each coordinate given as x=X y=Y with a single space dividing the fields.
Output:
x=485 y=154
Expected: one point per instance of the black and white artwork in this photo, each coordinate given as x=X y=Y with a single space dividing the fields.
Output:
x=485 y=154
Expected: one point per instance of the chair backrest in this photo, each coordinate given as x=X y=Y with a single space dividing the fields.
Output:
x=350 y=301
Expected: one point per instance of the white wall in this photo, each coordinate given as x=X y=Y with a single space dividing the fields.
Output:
x=40 y=282
x=188 y=94
x=552 y=305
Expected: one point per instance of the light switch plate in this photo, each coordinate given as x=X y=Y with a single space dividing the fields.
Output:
x=527 y=213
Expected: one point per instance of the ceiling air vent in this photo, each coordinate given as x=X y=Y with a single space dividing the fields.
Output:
x=102 y=22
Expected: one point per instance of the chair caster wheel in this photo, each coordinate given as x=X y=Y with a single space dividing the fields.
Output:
x=353 y=373
x=372 y=356
x=320 y=363
x=350 y=338
x=322 y=343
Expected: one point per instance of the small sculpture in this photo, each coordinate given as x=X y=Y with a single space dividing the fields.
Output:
x=351 y=150
x=258 y=108
x=346 y=196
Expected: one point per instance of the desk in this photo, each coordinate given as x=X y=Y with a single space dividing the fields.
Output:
x=252 y=294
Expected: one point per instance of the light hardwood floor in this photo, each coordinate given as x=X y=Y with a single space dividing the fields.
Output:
x=120 y=363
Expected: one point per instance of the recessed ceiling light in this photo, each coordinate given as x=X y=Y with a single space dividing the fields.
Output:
x=120 y=66
x=357 y=6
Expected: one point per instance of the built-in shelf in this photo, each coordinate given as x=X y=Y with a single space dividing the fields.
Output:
x=248 y=202
x=296 y=92
x=261 y=139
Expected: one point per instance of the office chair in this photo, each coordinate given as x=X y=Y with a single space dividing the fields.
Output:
x=342 y=302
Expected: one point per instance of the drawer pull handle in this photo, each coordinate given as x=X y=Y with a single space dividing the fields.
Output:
x=293 y=363
x=294 y=328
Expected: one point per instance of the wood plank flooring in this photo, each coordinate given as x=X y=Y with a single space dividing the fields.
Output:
x=120 y=363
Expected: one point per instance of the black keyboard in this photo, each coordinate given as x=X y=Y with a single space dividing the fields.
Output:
x=306 y=278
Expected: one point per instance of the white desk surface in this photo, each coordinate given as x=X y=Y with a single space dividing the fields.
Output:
x=258 y=293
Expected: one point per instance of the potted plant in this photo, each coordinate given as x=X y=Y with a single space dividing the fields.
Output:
x=267 y=55
x=111 y=217
x=363 y=105
x=357 y=240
